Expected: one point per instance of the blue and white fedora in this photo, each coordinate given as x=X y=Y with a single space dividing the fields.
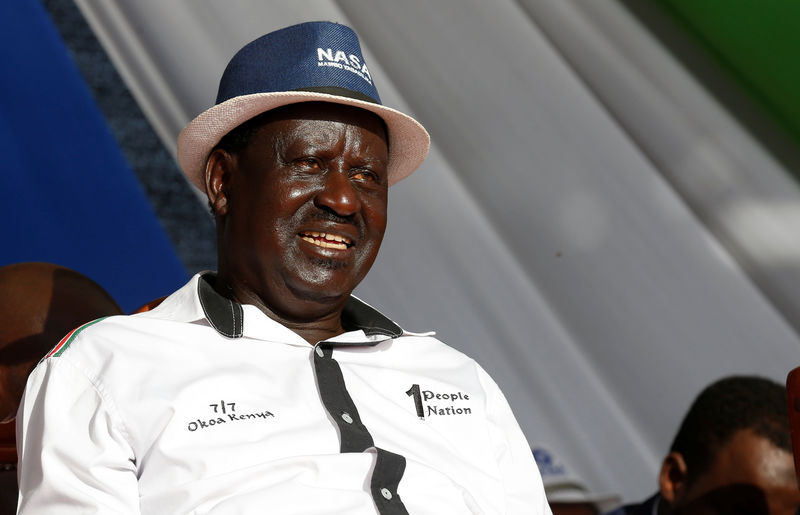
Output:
x=314 y=61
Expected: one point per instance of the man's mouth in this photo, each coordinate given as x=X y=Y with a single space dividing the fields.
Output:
x=326 y=240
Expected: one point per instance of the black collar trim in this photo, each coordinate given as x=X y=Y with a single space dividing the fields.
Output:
x=227 y=316
x=224 y=315
x=360 y=315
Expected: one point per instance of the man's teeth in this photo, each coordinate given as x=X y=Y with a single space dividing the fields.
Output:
x=325 y=240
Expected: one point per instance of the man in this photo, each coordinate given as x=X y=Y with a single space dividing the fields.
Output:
x=267 y=387
x=732 y=455
x=39 y=303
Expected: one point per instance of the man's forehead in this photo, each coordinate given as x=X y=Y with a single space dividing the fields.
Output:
x=286 y=125
x=324 y=112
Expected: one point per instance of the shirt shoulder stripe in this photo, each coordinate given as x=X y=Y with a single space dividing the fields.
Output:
x=66 y=340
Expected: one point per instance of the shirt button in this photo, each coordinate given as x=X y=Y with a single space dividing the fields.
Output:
x=347 y=418
x=320 y=353
x=386 y=493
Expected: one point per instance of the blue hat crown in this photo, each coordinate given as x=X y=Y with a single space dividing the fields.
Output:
x=322 y=57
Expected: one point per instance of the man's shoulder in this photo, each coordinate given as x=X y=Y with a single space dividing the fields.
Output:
x=91 y=328
x=430 y=355
x=110 y=334
x=431 y=342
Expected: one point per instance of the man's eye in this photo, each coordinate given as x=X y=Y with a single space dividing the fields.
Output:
x=309 y=162
x=365 y=176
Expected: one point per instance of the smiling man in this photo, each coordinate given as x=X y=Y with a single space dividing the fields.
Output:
x=268 y=387
x=300 y=210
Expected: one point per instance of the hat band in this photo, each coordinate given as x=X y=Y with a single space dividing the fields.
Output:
x=340 y=92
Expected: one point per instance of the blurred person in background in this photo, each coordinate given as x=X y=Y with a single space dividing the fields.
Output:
x=39 y=304
x=732 y=455
x=566 y=492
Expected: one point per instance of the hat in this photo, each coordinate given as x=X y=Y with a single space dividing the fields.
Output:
x=561 y=486
x=314 y=61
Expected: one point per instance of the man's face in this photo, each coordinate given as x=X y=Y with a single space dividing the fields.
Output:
x=305 y=209
x=750 y=476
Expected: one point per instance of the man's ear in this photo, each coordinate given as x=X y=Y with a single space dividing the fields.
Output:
x=673 y=478
x=218 y=173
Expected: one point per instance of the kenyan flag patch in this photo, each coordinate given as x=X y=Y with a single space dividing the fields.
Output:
x=65 y=341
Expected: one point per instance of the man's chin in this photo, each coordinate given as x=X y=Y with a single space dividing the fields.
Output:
x=322 y=289
x=330 y=264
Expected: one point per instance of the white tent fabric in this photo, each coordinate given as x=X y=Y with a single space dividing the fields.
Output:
x=549 y=234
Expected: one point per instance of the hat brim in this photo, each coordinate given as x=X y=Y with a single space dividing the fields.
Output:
x=409 y=142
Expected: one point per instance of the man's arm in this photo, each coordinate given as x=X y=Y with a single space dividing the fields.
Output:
x=73 y=453
x=520 y=475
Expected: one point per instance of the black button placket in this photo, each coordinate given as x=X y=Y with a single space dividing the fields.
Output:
x=388 y=472
x=354 y=435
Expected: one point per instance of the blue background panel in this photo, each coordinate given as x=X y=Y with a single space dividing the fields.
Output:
x=70 y=197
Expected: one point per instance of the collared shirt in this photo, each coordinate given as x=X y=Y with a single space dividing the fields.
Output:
x=203 y=405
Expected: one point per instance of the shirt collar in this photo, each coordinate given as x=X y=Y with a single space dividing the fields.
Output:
x=656 y=503
x=227 y=316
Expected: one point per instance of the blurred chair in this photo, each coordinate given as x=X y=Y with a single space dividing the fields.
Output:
x=8 y=470
x=150 y=305
x=793 y=405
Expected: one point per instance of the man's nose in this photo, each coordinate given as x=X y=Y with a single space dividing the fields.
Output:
x=338 y=194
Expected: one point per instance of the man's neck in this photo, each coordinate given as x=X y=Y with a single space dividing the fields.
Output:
x=316 y=332
x=325 y=322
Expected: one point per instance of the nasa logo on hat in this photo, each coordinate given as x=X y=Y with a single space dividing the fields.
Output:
x=311 y=62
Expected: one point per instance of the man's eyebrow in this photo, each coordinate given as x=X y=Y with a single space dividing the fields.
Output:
x=374 y=160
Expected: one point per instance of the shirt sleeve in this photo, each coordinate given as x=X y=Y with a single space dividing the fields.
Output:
x=522 y=482
x=73 y=453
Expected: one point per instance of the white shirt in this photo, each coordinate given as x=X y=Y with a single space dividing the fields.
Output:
x=161 y=412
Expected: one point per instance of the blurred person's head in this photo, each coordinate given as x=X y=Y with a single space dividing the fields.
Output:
x=567 y=493
x=732 y=453
x=39 y=304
